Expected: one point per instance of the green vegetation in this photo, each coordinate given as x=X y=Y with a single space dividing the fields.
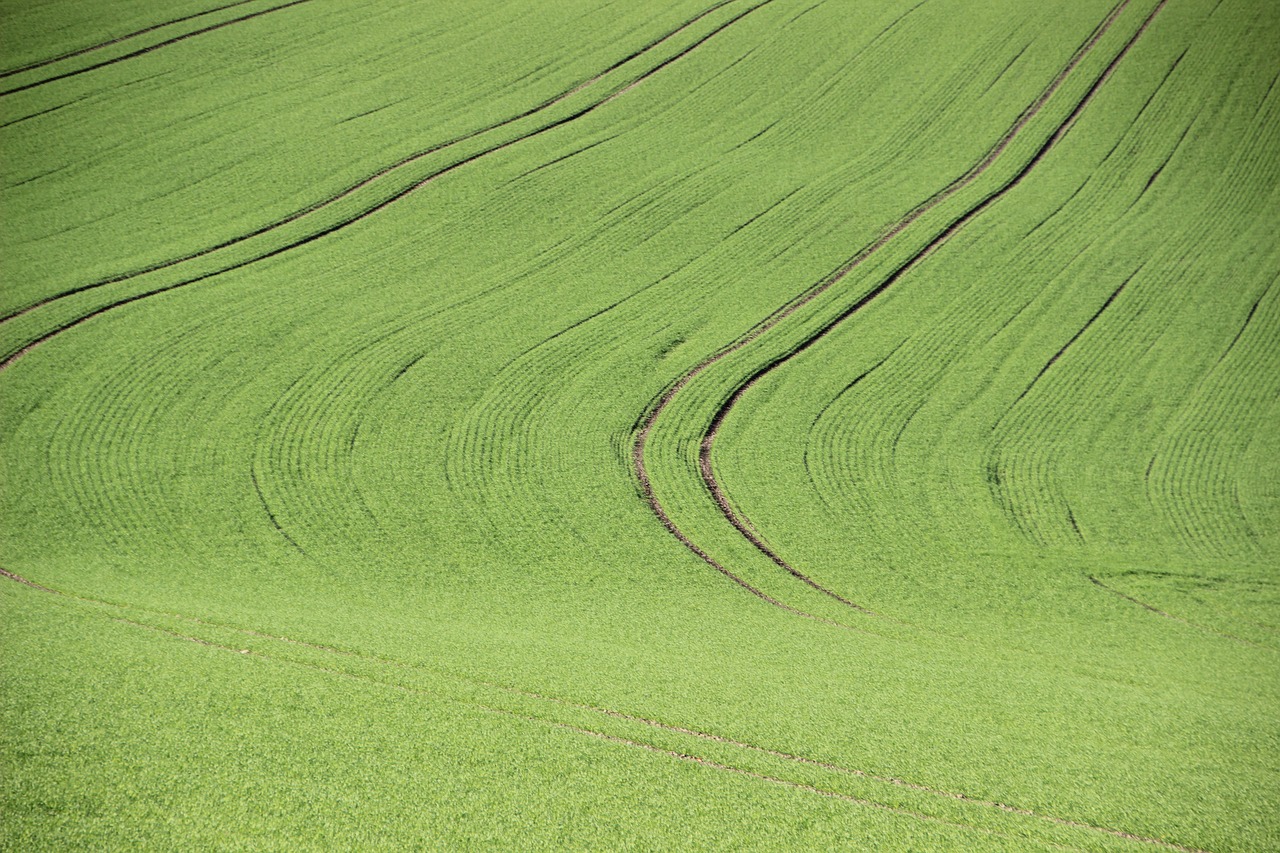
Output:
x=767 y=424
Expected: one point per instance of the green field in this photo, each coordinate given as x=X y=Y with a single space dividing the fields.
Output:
x=766 y=424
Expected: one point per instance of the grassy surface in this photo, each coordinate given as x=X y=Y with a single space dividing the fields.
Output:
x=331 y=332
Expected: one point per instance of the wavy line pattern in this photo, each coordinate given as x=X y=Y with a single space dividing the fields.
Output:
x=709 y=436
x=399 y=187
x=390 y=460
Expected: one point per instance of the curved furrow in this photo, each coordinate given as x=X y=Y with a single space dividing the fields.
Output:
x=26 y=346
x=145 y=50
x=31 y=66
x=1023 y=482
x=408 y=161
x=706 y=470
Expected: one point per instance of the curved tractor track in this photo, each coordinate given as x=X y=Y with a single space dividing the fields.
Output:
x=706 y=445
x=390 y=173
x=140 y=51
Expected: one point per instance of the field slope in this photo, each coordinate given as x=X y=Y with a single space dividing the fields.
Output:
x=757 y=424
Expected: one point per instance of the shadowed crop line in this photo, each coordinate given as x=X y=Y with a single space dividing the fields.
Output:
x=808 y=469
x=1266 y=95
x=561 y=159
x=154 y=47
x=705 y=468
x=853 y=383
x=1041 y=223
x=800 y=15
x=372 y=111
x=262 y=499
x=37 y=115
x=683 y=53
x=569 y=703
x=1167 y=615
x=43 y=62
x=1005 y=70
x=1057 y=355
x=1247 y=320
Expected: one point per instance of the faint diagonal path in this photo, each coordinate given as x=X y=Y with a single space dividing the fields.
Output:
x=112 y=610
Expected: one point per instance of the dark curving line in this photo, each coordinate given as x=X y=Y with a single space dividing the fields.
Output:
x=1247 y=320
x=385 y=170
x=1266 y=95
x=561 y=159
x=808 y=469
x=1054 y=213
x=151 y=48
x=370 y=112
x=40 y=113
x=1071 y=517
x=1005 y=70
x=705 y=468
x=1079 y=332
x=302 y=241
x=43 y=62
x=275 y=522
x=1166 y=615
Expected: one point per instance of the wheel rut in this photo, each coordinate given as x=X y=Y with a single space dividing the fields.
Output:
x=374 y=183
x=399 y=165
x=706 y=445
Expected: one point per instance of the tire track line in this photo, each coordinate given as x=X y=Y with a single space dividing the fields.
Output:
x=384 y=171
x=708 y=439
x=43 y=62
x=695 y=759
x=764 y=777
x=705 y=467
x=568 y=703
x=367 y=212
x=149 y=48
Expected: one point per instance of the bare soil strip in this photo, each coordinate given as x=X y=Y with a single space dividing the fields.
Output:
x=568 y=703
x=708 y=438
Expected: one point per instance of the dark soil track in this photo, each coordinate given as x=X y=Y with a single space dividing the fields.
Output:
x=406 y=161
x=141 y=51
x=710 y=481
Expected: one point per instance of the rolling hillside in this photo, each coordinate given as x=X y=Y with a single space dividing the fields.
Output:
x=782 y=424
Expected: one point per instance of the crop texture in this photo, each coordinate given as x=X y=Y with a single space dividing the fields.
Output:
x=778 y=424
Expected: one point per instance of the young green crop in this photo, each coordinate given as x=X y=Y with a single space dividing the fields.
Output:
x=356 y=361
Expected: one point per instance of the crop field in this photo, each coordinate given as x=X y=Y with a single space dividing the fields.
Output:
x=765 y=424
